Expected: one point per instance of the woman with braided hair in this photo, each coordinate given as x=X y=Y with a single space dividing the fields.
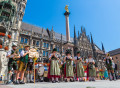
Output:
x=54 y=69
x=68 y=70
x=79 y=67
x=91 y=68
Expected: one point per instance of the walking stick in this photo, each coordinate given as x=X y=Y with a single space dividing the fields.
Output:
x=34 y=71
x=34 y=55
x=34 y=68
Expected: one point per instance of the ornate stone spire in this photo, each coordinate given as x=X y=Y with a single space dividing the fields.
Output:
x=75 y=37
x=93 y=47
x=61 y=44
x=103 y=49
x=78 y=34
x=52 y=34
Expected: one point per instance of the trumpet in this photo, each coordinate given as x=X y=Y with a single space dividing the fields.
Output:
x=16 y=54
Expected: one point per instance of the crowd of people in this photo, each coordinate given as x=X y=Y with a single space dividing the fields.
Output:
x=71 y=69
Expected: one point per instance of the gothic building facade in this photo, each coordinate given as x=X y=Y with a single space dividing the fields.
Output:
x=82 y=43
x=85 y=44
x=44 y=40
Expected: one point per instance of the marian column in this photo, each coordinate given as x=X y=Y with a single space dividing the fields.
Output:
x=67 y=23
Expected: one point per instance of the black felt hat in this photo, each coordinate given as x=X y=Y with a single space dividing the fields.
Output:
x=68 y=51
x=54 y=49
x=78 y=52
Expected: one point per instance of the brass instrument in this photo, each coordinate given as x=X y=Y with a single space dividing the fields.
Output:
x=16 y=52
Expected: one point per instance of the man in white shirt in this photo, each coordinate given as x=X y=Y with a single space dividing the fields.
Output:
x=109 y=65
x=13 y=56
x=23 y=63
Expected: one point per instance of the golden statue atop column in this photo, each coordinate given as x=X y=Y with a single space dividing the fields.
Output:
x=66 y=8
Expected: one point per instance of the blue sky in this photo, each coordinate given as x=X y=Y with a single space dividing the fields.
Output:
x=100 y=17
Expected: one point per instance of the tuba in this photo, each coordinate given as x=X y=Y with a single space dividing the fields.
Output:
x=17 y=54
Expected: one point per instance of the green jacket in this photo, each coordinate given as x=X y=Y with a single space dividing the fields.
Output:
x=110 y=62
x=24 y=59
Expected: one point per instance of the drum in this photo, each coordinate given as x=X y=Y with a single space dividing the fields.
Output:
x=41 y=71
x=33 y=53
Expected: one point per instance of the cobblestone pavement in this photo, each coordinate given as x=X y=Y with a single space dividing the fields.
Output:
x=97 y=84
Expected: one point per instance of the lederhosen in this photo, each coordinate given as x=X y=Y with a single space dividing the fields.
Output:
x=92 y=70
x=79 y=68
x=54 y=69
x=23 y=63
x=109 y=64
x=68 y=69
x=29 y=65
x=12 y=63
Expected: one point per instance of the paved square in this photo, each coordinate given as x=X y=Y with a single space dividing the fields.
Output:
x=97 y=84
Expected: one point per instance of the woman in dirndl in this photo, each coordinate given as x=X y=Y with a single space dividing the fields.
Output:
x=91 y=68
x=79 y=67
x=54 y=69
x=68 y=70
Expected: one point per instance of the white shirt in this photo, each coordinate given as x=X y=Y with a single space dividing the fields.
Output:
x=52 y=54
x=76 y=57
x=70 y=58
x=108 y=59
x=62 y=62
x=23 y=52
x=113 y=64
x=30 y=60
x=90 y=60
x=9 y=53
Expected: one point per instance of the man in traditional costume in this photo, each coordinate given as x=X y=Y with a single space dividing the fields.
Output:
x=68 y=70
x=108 y=61
x=79 y=67
x=30 y=71
x=54 y=69
x=13 y=58
x=23 y=64
x=91 y=68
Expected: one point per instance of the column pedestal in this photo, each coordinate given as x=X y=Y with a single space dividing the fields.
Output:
x=3 y=66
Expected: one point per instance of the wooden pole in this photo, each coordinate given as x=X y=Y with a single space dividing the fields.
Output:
x=34 y=71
